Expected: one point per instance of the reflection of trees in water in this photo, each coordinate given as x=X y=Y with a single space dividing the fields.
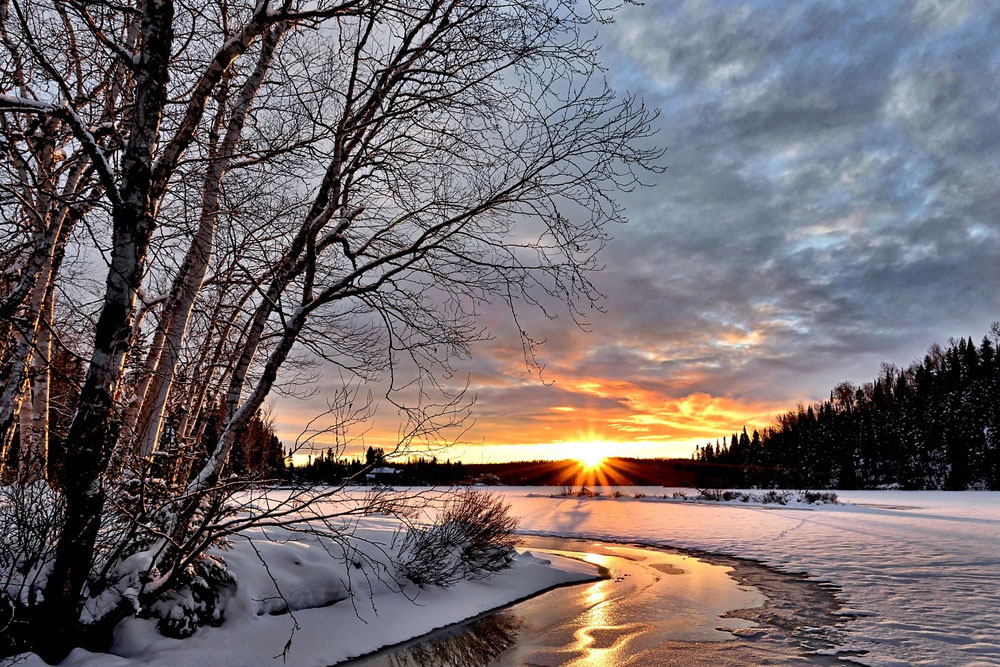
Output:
x=473 y=645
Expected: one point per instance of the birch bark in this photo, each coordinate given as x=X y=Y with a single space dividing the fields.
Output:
x=195 y=266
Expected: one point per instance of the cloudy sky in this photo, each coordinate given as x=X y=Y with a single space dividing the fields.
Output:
x=830 y=202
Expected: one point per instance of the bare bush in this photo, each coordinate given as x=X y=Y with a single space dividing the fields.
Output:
x=772 y=497
x=31 y=516
x=471 y=538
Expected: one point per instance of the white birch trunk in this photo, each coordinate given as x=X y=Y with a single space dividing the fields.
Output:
x=34 y=433
x=188 y=284
x=28 y=341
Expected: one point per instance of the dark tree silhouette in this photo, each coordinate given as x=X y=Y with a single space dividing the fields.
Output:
x=933 y=425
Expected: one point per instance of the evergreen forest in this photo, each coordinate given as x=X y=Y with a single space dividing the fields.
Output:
x=932 y=425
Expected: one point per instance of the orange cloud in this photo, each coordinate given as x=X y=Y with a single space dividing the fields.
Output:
x=636 y=422
x=646 y=411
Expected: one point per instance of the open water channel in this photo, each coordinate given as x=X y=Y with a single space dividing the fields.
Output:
x=653 y=607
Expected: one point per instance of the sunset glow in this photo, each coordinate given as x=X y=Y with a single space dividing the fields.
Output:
x=630 y=420
x=589 y=454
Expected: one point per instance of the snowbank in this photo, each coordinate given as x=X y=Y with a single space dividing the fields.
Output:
x=327 y=624
x=920 y=571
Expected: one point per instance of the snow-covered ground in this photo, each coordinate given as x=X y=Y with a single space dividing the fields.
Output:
x=329 y=624
x=920 y=574
x=919 y=570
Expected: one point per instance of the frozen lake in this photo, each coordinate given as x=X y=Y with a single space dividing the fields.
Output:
x=919 y=571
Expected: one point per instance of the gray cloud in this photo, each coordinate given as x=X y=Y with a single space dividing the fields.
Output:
x=831 y=202
x=832 y=182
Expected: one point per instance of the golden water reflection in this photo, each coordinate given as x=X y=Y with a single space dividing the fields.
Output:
x=650 y=598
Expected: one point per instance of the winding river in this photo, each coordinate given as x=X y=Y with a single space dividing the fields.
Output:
x=654 y=607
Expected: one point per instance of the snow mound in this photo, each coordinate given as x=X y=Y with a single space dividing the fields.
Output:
x=324 y=601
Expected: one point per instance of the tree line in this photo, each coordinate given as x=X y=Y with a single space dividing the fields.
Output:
x=327 y=467
x=932 y=425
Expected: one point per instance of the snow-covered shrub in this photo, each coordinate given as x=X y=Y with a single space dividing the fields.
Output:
x=819 y=497
x=472 y=537
x=196 y=601
x=772 y=497
x=769 y=497
x=30 y=516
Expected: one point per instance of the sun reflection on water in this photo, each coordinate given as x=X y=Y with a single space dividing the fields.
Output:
x=591 y=641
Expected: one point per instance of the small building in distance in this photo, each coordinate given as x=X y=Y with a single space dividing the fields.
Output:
x=384 y=475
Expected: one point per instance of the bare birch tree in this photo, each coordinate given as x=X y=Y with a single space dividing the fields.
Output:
x=343 y=178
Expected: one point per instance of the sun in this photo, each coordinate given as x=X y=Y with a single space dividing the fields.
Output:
x=590 y=460
x=589 y=454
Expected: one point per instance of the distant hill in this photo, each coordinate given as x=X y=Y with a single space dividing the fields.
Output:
x=615 y=471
